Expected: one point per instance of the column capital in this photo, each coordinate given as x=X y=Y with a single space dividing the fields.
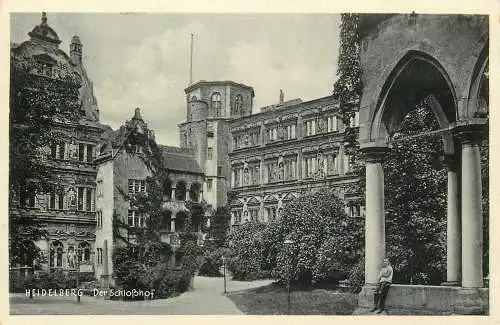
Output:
x=449 y=161
x=374 y=152
x=471 y=131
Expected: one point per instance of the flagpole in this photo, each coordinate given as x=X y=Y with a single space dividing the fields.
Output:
x=191 y=62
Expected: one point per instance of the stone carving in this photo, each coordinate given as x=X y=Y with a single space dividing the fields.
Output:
x=71 y=195
x=246 y=177
x=73 y=151
x=71 y=258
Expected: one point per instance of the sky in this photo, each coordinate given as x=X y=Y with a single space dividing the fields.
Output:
x=142 y=60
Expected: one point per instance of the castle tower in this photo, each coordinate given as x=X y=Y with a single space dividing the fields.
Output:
x=210 y=106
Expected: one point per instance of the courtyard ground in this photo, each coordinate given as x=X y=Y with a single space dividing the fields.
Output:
x=207 y=298
x=272 y=300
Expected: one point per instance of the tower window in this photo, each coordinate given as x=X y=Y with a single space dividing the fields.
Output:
x=216 y=104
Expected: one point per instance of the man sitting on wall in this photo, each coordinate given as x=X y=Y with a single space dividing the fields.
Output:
x=385 y=280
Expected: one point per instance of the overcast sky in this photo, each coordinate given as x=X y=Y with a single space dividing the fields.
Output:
x=142 y=60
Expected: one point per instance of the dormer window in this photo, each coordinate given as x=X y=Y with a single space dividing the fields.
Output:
x=44 y=69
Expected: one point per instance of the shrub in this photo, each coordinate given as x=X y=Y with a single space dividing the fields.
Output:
x=246 y=252
x=42 y=280
x=212 y=262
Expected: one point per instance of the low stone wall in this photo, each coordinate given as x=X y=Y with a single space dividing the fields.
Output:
x=440 y=299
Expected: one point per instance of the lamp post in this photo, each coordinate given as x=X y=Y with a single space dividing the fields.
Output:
x=224 y=271
x=288 y=243
x=78 y=251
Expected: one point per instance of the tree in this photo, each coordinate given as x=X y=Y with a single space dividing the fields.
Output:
x=415 y=187
x=37 y=104
x=246 y=247
x=219 y=226
x=325 y=240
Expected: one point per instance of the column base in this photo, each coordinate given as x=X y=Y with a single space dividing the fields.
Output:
x=472 y=301
x=427 y=300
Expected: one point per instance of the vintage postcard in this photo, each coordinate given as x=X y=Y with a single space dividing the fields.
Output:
x=249 y=162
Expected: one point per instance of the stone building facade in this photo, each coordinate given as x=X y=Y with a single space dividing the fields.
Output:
x=122 y=170
x=211 y=105
x=284 y=151
x=67 y=212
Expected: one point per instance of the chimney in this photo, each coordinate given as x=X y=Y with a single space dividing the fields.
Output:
x=75 y=50
x=282 y=96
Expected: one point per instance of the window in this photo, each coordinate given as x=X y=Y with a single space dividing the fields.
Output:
x=85 y=199
x=290 y=132
x=84 y=252
x=136 y=186
x=216 y=104
x=332 y=164
x=210 y=134
x=135 y=219
x=56 y=254
x=237 y=217
x=44 y=68
x=310 y=128
x=138 y=149
x=209 y=185
x=99 y=255
x=347 y=163
x=99 y=187
x=271 y=213
x=80 y=198
x=210 y=153
x=56 y=199
x=219 y=170
x=254 y=214
x=58 y=150
x=332 y=124
x=272 y=133
x=98 y=217
x=81 y=152
x=90 y=151
x=290 y=169
x=88 y=200
x=354 y=121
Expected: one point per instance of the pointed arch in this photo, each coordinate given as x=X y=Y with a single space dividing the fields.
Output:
x=414 y=77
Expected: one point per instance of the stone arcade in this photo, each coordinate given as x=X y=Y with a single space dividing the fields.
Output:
x=404 y=59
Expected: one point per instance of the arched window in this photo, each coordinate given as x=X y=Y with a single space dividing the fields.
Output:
x=180 y=191
x=56 y=254
x=180 y=221
x=194 y=192
x=216 y=104
x=84 y=252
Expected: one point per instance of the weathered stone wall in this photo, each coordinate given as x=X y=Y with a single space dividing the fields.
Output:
x=454 y=42
x=105 y=206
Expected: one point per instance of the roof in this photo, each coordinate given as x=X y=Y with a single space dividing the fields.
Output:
x=217 y=83
x=180 y=159
x=44 y=31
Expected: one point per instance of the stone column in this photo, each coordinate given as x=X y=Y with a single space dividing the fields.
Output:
x=453 y=231
x=172 y=223
x=187 y=193
x=375 y=215
x=173 y=193
x=472 y=213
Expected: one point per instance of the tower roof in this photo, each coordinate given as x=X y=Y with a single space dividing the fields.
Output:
x=44 y=31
